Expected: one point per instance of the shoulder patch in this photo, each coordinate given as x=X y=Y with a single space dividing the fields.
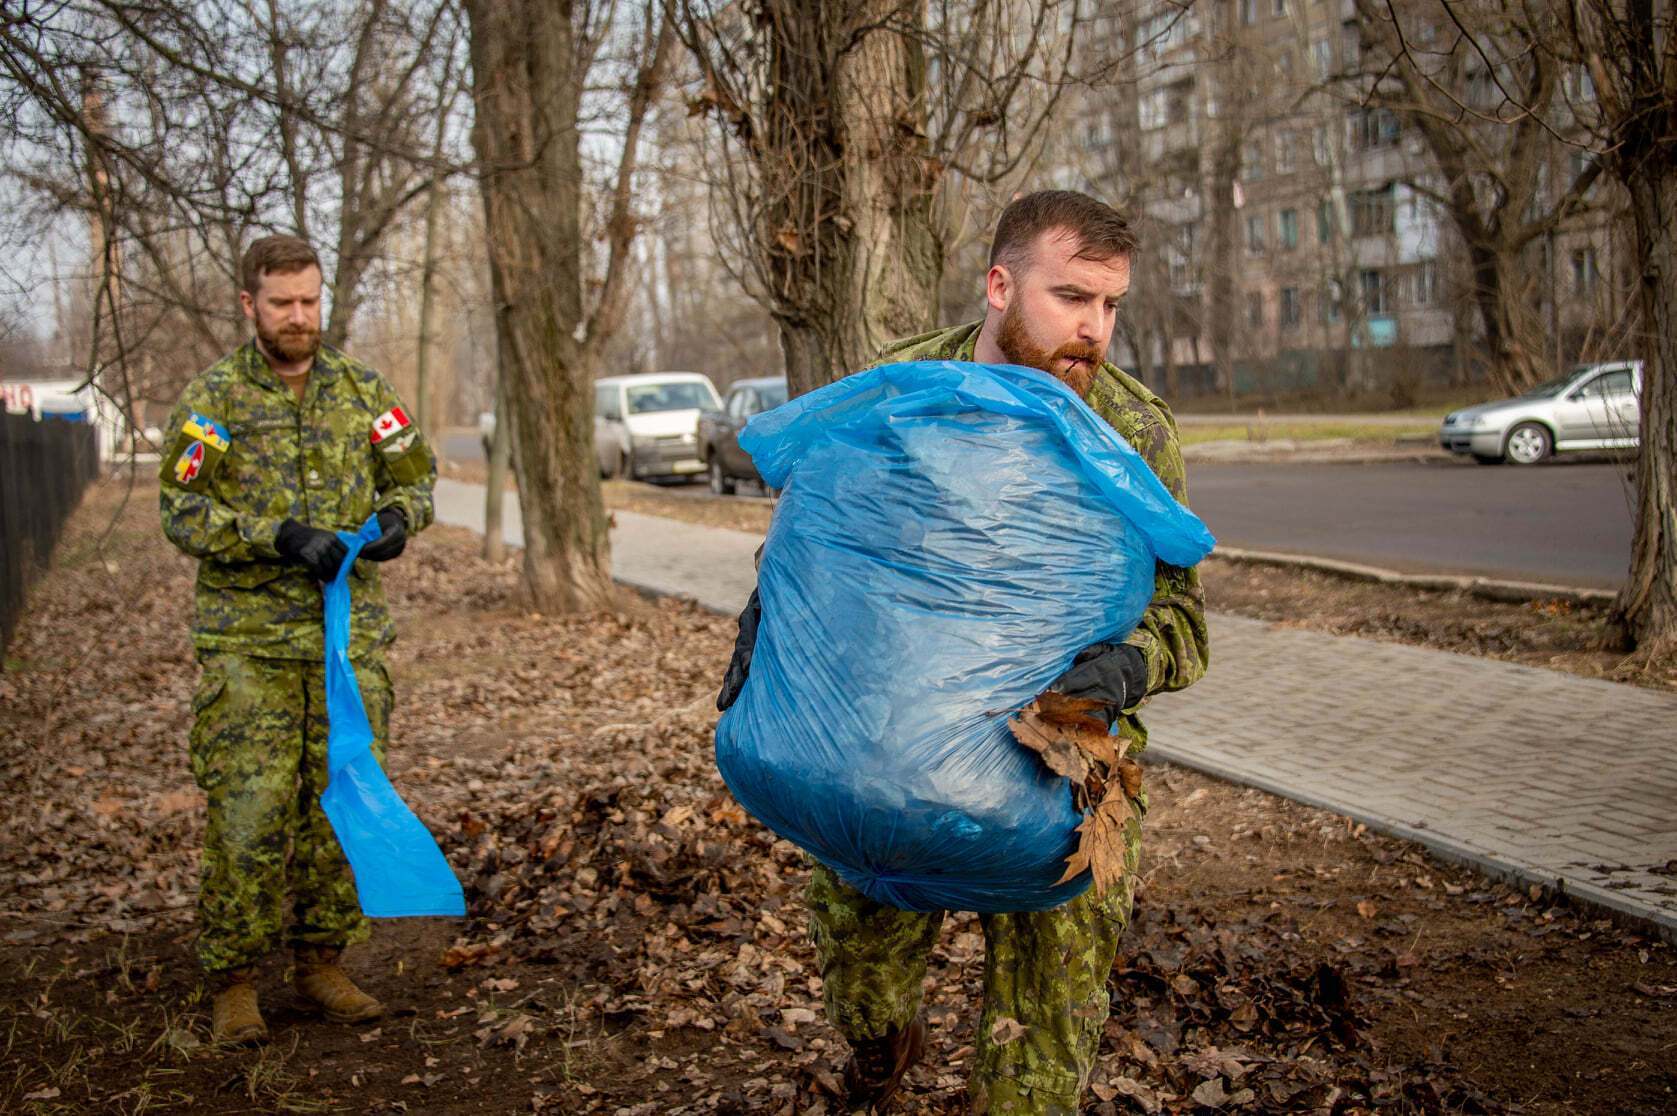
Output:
x=207 y=431
x=390 y=425
x=198 y=449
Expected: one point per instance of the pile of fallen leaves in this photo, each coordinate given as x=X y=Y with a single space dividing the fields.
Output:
x=636 y=944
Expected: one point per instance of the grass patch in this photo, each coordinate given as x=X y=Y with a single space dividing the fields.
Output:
x=1383 y=434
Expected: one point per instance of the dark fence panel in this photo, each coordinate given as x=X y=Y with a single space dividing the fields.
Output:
x=44 y=469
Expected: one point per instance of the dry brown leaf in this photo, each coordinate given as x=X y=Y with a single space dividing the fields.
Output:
x=1056 y=747
x=1100 y=846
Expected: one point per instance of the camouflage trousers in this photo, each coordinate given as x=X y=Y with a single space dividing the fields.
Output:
x=1045 y=972
x=258 y=749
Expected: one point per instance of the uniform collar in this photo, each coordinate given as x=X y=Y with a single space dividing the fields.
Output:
x=257 y=368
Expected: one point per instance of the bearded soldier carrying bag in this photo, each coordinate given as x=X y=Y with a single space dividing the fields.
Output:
x=270 y=453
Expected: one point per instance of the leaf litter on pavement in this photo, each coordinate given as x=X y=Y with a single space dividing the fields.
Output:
x=636 y=943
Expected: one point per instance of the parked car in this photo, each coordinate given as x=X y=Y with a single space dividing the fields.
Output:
x=719 y=431
x=645 y=425
x=1593 y=407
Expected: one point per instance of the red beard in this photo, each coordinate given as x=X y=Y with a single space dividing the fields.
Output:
x=1017 y=346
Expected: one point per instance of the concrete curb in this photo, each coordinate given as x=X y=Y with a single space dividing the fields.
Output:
x=1497 y=866
x=1488 y=588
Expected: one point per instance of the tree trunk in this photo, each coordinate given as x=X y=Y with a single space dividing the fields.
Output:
x=428 y=275
x=854 y=254
x=1225 y=164
x=494 y=496
x=526 y=90
x=1506 y=317
x=1645 y=614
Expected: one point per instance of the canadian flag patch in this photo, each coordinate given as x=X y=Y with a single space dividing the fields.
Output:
x=389 y=424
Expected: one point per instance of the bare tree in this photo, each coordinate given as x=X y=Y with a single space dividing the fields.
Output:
x=1619 y=58
x=837 y=122
x=1490 y=110
x=202 y=124
x=529 y=64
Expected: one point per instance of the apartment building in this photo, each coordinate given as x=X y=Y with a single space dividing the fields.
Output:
x=1344 y=274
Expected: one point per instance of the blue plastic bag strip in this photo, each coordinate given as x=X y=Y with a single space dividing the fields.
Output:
x=399 y=871
x=777 y=439
x=950 y=536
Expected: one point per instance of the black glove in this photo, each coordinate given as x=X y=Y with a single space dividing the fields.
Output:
x=1114 y=674
x=739 y=667
x=321 y=551
x=393 y=536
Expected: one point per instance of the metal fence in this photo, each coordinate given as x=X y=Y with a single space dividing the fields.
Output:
x=44 y=469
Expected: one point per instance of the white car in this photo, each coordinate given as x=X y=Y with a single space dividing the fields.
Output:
x=646 y=425
x=1593 y=407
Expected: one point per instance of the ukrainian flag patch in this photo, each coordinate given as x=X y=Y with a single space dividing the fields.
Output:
x=208 y=431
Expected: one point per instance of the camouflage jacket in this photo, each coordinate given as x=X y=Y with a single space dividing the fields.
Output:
x=244 y=455
x=1172 y=633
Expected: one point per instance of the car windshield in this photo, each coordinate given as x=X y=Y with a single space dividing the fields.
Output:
x=687 y=395
x=1548 y=389
x=772 y=395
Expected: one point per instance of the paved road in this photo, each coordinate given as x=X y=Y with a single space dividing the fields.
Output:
x=1562 y=522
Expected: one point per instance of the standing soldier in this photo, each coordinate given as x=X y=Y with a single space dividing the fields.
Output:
x=272 y=451
x=1059 y=264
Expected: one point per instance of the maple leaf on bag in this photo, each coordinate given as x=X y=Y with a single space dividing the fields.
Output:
x=1100 y=846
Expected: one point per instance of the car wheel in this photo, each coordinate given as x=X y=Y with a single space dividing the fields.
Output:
x=1528 y=443
x=720 y=483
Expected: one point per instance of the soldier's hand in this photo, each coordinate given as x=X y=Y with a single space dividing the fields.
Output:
x=393 y=536
x=1114 y=674
x=320 y=550
x=739 y=667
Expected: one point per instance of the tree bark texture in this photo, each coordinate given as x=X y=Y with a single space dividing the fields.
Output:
x=854 y=256
x=526 y=89
x=1645 y=613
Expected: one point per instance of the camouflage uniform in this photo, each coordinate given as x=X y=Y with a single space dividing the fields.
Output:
x=1045 y=971
x=245 y=455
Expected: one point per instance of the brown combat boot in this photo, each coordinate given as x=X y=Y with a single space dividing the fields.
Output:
x=234 y=1015
x=320 y=981
x=876 y=1066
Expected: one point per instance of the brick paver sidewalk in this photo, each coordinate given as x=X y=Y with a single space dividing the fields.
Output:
x=1530 y=774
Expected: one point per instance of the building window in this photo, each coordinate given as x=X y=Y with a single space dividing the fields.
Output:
x=1289 y=307
x=1426 y=284
x=1255 y=310
x=1180 y=254
x=1321 y=59
x=1374 y=212
x=1154 y=107
x=1328 y=300
x=1350 y=47
x=1255 y=234
x=1289 y=228
x=1374 y=291
x=1324 y=222
x=1286 y=146
x=1581 y=161
x=1252 y=161
x=1280 y=7
x=1372 y=127
x=1248 y=12
x=1585 y=277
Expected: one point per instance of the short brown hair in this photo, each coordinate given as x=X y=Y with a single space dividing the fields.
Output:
x=1102 y=232
x=282 y=254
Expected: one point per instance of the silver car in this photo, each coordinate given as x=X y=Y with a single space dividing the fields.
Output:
x=1594 y=407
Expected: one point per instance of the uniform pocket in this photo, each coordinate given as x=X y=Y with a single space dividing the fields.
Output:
x=212 y=685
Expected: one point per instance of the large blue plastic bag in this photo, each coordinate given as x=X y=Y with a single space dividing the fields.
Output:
x=399 y=871
x=950 y=536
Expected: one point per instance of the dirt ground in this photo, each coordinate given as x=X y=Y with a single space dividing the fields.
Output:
x=635 y=944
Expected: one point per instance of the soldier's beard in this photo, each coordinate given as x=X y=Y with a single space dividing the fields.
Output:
x=291 y=346
x=1016 y=345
